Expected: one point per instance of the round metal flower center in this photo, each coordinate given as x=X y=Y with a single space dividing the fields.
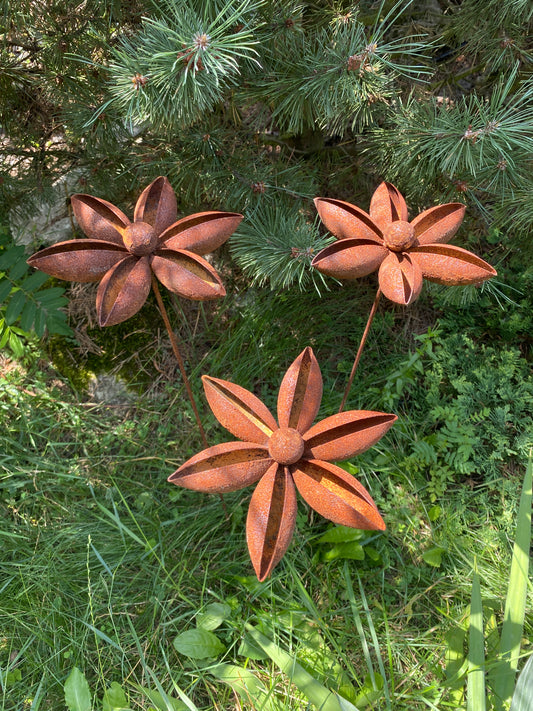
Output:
x=286 y=446
x=140 y=238
x=399 y=235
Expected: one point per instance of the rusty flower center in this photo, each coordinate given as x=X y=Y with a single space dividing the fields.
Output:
x=139 y=238
x=399 y=235
x=286 y=446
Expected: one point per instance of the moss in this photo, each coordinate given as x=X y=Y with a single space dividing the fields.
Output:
x=123 y=348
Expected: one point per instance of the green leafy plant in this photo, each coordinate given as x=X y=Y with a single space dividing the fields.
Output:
x=26 y=305
x=471 y=404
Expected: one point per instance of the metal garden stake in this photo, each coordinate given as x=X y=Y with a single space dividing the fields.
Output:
x=404 y=252
x=286 y=455
x=128 y=258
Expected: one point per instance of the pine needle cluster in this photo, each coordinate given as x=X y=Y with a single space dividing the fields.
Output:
x=477 y=144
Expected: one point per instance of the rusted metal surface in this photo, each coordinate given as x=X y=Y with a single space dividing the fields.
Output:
x=404 y=252
x=282 y=458
x=123 y=255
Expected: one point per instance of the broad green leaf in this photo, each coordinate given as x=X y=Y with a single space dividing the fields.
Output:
x=77 y=694
x=199 y=644
x=15 y=344
x=345 y=551
x=11 y=256
x=504 y=671
x=213 y=616
x=12 y=677
x=4 y=333
x=434 y=512
x=5 y=289
x=319 y=695
x=523 y=694
x=433 y=556
x=341 y=534
x=40 y=323
x=18 y=269
x=27 y=316
x=48 y=296
x=371 y=691
x=34 y=281
x=455 y=639
x=475 y=697
x=373 y=554
x=14 y=307
x=56 y=322
x=114 y=698
x=250 y=650
x=162 y=702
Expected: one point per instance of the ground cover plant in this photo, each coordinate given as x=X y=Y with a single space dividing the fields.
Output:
x=120 y=592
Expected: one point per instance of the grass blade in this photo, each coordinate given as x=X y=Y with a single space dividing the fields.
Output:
x=359 y=625
x=515 y=604
x=476 y=699
x=523 y=695
x=320 y=696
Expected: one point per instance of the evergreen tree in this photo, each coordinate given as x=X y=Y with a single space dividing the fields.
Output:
x=258 y=107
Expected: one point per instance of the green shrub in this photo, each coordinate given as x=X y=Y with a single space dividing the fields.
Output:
x=470 y=406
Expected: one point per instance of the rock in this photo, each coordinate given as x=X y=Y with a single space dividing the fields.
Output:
x=50 y=221
x=109 y=390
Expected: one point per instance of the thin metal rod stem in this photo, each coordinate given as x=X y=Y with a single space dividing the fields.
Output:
x=360 y=349
x=174 y=344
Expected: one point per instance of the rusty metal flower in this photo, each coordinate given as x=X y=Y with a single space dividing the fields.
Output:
x=124 y=255
x=404 y=252
x=293 y=454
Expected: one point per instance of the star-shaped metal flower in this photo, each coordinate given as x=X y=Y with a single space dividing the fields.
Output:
x=284 y=457
x=404 y=252
x=124 y=254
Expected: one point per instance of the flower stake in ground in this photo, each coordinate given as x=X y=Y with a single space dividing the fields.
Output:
x=284 y=456
x=128 y=258
x=405 y=253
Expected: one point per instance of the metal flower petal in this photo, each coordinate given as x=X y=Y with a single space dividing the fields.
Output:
x=157 y=205
x=439 y=223
x=387 y=205
x=280 y=458
x=350 y=258
x=202 y=232
x=187 y=274
x=271 y=519
x=336 y=495
x=98 y=218
x=346 y=220
x=346 y=434
x=239 y=411
x=82 y=260
x=400 y=278
x=224 y=467
x=123 y=291
x=300 y=393
x=446 y=264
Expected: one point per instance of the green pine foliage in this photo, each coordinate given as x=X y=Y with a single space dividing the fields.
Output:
x=245 y=102
x=278 y=247
x=497 y=34
x=477 y=144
